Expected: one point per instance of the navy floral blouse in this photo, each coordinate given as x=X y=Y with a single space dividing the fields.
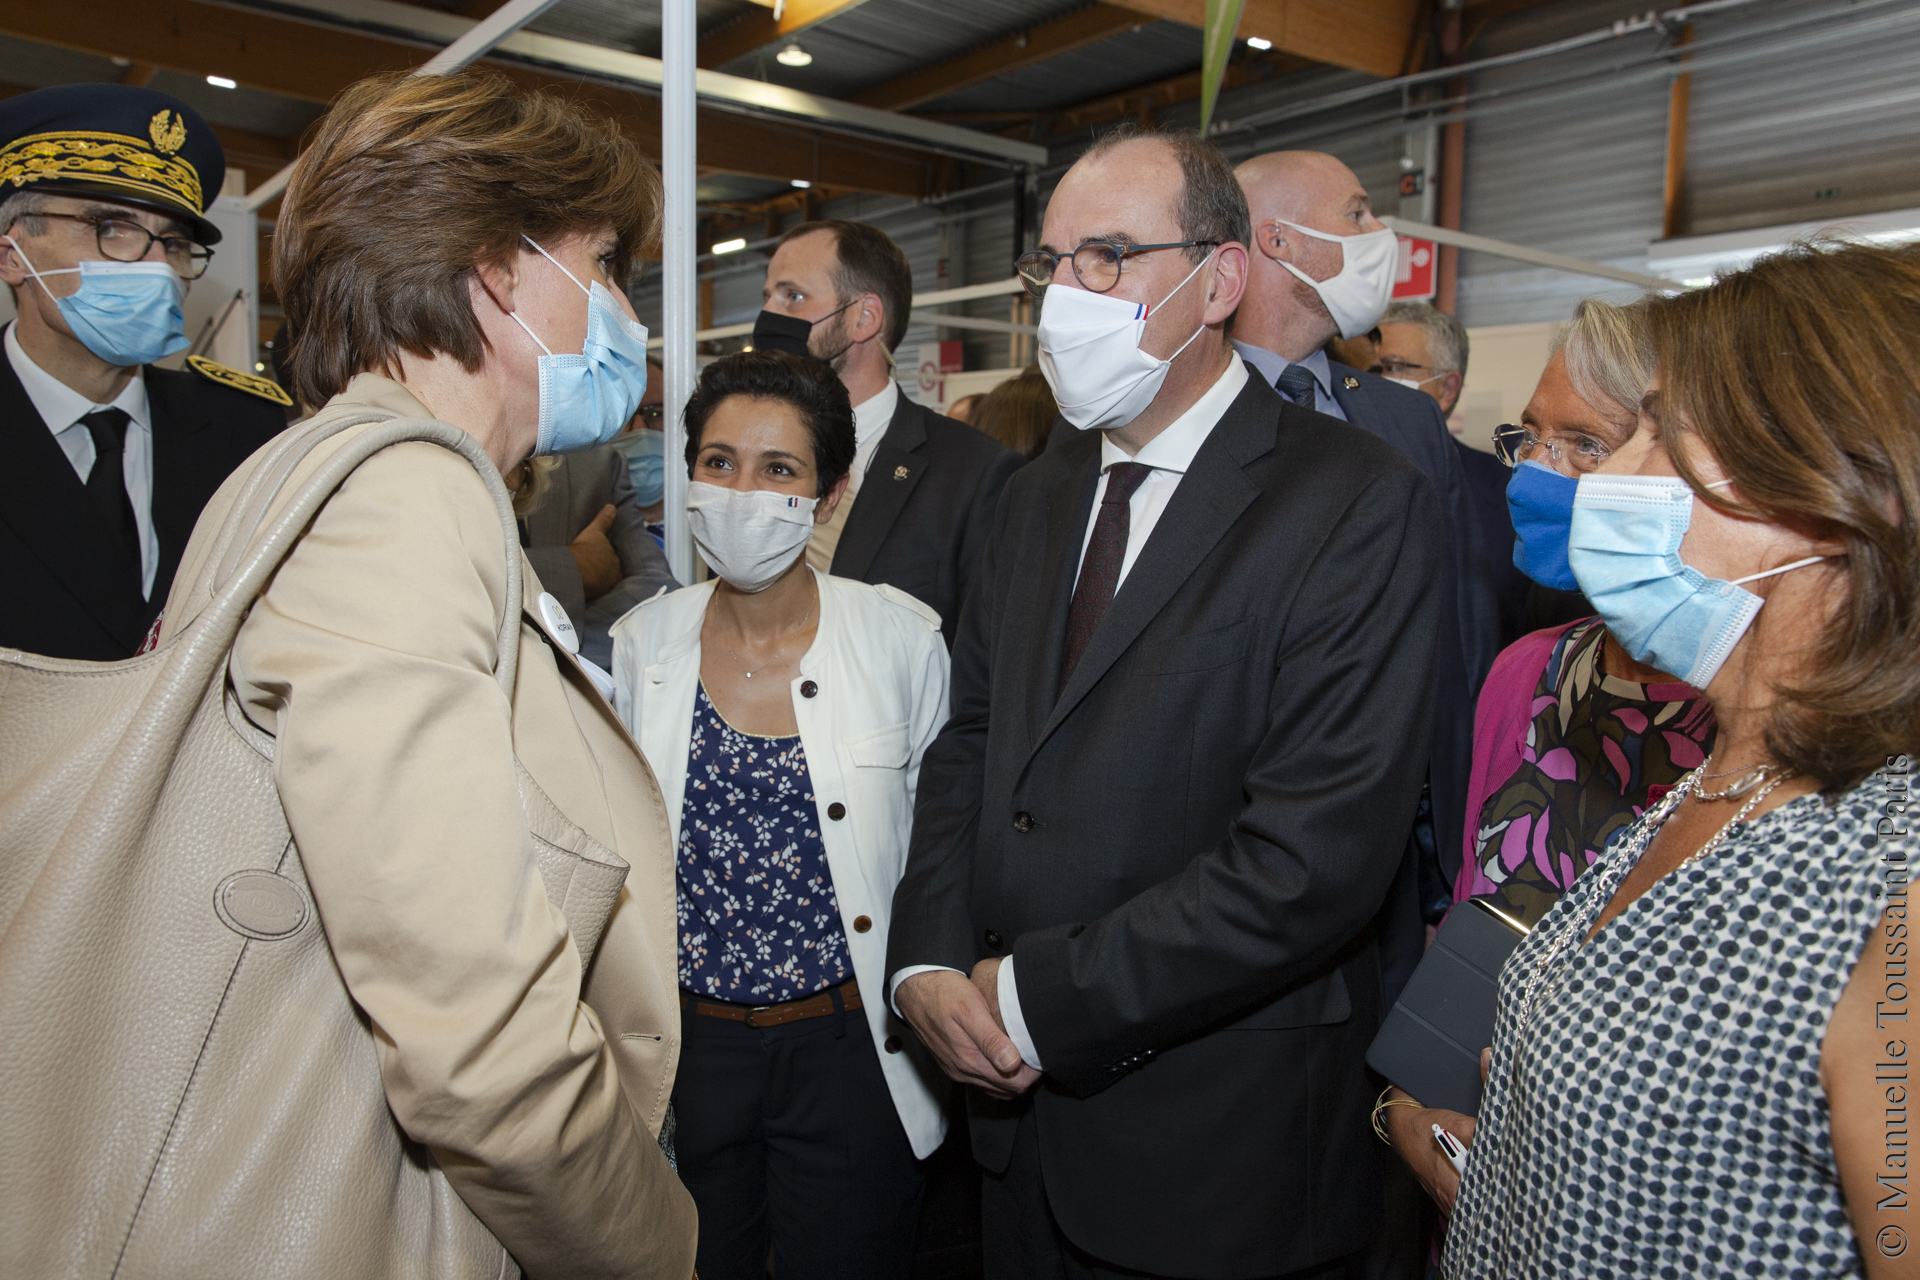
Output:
x=759 y=922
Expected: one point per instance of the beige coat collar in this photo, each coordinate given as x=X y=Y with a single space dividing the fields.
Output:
x=381 y=392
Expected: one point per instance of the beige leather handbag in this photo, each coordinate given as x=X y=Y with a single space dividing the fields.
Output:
x=186 y=1088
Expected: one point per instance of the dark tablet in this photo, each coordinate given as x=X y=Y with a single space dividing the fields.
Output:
x=1431 y=1041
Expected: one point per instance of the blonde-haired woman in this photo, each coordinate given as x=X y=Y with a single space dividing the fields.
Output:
x=1573 y=738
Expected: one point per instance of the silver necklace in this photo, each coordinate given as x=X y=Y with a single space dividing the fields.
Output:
x=779 y=653
x=1744 y=780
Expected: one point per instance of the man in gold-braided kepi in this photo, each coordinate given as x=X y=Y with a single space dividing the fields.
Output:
x=103 y=194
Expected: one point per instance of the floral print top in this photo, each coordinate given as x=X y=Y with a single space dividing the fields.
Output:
x=759 y=922
x=1599 y=751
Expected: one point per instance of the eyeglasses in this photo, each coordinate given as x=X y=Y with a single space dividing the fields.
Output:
x=124 y=240
x=652 y=415
x=1096 y=264
x=1390 y=367
x=1514 y=445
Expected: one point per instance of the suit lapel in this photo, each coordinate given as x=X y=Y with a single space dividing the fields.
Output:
x=891 y=479
x=1354 y=401
x=1212 y=495
x=1047 y=587
x=49 y=511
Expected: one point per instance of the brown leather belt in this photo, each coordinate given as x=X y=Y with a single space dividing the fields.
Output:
x=778 y=1015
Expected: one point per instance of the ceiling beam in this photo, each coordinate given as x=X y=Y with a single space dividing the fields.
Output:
x=1049 y=40
x=315 y=62
x=1137 y=103
x=760 y=28
x=1362 y=35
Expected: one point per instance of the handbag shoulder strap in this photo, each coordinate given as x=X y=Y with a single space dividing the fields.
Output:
x=243 y=557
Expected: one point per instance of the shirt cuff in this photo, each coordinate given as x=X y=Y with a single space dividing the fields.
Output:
x=1008 y=993
x=908 y=972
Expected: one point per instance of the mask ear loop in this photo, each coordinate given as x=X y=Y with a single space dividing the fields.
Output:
x=1177 y=288
x=556 y=262
x=40 y=276
x=1768 y=573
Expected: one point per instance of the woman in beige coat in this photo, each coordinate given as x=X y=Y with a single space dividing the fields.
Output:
x=432 y=253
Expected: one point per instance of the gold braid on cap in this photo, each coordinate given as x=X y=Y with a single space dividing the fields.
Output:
x=112 y=159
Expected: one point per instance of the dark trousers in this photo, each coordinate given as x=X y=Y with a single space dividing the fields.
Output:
x=1021 y=1241
x=789 y=1141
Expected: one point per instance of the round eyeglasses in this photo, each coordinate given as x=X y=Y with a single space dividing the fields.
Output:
x=124 y=240
x=1096 y=264
x=1515 y=444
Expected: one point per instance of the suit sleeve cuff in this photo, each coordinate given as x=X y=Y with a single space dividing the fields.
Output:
x=1008 y=992
x=893 y=988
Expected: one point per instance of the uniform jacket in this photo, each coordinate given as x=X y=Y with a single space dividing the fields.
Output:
x=921 y=518
x=401 y=768
x=878 y=674
x=1183 y=847
x=51 y=536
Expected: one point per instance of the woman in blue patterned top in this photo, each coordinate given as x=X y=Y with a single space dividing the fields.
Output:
x=1699 y=1064
x=785 y=713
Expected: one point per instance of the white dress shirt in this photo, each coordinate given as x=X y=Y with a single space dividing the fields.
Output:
x=870 y=420
x=61 y=408
x=1169 y=454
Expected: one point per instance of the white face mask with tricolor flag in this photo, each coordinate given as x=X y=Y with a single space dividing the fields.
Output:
x=1091 y=357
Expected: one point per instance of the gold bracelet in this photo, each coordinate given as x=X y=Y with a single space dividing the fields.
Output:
x=1380 y=1105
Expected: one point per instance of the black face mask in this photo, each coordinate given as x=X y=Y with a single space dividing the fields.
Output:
x=773 y=331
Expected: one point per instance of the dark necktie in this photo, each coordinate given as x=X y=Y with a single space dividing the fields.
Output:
x=1100 y=570
x=107 y=482
x=1296 y=384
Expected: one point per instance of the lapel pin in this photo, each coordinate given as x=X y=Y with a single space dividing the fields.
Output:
x=1351 y=384
x=899 y=473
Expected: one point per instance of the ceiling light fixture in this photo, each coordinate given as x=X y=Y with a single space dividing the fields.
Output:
x=221 y=82
x=730 y=246
x=793 y=55
x=801 y=183
x=1257 y=42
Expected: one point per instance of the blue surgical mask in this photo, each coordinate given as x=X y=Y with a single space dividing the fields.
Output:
x=127 y=313
x=1540 y=500
x=646 y=455
x=1625 y=551
x=586 y=399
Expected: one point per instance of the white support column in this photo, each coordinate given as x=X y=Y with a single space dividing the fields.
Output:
x=679 y=23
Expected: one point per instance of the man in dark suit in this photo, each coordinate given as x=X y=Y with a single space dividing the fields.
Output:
x=1282 y=325
x=1190 y=715
x=109 y=460
x=924 y=486
x=1423 y=348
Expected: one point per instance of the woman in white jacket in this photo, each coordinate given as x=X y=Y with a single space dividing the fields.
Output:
x=785 y=713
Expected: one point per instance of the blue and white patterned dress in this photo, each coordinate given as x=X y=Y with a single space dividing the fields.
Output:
x=1659 y=1113
x=759 y=922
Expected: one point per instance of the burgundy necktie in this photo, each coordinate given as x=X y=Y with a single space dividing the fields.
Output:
x=1100 y=569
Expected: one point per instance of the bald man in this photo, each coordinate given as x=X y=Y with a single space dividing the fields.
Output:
x=1323 y=266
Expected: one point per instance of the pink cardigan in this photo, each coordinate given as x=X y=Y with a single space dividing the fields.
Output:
x=1500 y=721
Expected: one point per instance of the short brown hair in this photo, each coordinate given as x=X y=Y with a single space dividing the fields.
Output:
x=413 y=182
x=1798 y=373
x=1019 y=413
x=869 y=262
x=1213 y=204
